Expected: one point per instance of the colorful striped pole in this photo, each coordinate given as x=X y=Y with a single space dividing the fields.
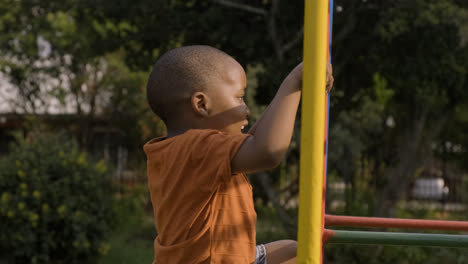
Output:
x=338 y=220
x=312 y=132
x=394 y=239
x=327 y=118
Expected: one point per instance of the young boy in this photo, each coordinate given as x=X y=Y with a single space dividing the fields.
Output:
x=201 y=197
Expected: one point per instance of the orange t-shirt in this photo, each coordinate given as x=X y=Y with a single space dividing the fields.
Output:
x=203 y=212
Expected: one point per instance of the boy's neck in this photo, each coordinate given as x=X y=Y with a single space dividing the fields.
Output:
x=179 y=127
x=174 y=132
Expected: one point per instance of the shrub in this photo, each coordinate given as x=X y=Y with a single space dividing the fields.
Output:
x=55 y=203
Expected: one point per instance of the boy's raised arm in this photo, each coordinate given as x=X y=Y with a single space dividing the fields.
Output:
x=328 y=88
x=271 y=134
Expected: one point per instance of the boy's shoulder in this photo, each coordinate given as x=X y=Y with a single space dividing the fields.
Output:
x=189 y=139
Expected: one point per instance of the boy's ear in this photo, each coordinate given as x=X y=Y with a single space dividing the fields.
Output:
x=200 y=103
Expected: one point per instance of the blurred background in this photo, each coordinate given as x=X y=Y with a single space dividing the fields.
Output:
x=74 y=118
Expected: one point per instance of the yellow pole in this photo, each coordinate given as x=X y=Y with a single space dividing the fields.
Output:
x=312 y=132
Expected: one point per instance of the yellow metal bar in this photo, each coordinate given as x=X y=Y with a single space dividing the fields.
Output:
x=312 y=132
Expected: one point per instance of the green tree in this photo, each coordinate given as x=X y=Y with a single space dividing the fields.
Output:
x=56 y=204
x=67 y=58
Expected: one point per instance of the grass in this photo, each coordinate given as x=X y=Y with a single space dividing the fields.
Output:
x=132 y=240
x=125 y=251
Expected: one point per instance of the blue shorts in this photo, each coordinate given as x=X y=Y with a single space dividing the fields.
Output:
x=260 y=254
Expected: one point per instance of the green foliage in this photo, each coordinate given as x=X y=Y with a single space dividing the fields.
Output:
x=269 y=227
x=55 y=204
x=382 y=93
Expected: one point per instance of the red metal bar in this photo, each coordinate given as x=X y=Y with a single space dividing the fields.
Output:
x=336 y=220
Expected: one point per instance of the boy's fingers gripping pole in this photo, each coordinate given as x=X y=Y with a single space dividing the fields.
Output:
x=312 y=132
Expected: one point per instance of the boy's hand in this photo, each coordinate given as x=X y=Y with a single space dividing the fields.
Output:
x=330 y=79
x=295 y=77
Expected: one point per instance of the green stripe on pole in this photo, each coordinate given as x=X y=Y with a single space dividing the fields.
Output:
x=402 y=239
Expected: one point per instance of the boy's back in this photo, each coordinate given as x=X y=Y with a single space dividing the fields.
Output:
x=204 y=214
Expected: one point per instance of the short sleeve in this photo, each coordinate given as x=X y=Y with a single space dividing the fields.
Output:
x=213 y=150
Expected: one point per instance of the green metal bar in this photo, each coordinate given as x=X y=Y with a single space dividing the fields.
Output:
x=393 y=238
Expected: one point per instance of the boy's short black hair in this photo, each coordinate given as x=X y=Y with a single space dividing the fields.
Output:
x=177 y=74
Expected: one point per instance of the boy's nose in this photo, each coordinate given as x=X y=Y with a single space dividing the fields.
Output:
x=247 y=110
